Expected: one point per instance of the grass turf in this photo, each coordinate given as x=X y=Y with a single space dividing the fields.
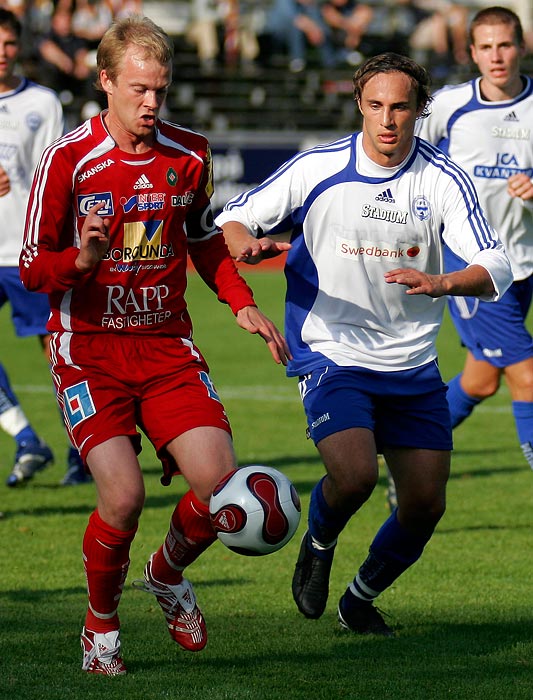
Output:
x=462 y=613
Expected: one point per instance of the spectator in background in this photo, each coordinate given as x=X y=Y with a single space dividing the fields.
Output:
x=348 y=21
x=440 y=34
x=90 y=21
x=204 y=30
x=65 y=65
x=294 y=26
x=226 y=31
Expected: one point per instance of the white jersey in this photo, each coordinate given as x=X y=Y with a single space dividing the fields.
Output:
x=353 y=220
x=31 y=118
x=491 y=141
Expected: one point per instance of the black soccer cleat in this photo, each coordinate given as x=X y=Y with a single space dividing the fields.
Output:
x=363 y=618
x=310 y=583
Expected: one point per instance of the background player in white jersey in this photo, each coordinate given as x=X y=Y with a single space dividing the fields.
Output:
x=30 y=119
x=365 y=298
x=116 y=207
x=498 y=108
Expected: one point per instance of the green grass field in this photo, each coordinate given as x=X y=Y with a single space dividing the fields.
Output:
x=463 y=613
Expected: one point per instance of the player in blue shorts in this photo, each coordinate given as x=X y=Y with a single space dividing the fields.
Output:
x=497 y=107
x=35 y=120
x=365 y=297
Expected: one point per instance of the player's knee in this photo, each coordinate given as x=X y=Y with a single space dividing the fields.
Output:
x=482 y=390
x=422 y=513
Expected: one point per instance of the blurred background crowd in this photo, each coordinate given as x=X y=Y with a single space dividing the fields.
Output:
x=235 y=57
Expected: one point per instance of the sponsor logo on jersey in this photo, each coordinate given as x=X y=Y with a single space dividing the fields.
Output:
x=143 y=183
x=392 y=215
x=511 y=117
x=506 y=165
x=511 y=132
x=182 y=200
x=79 y=403
x=421 y=208
x=370 y=250
x=151 y=201
x=88 y=201
x=323 y=418
x=466 y=307
x=95 y=169
x=133 y=308
x=497 y=352
x=385 y=196
x=142 y=241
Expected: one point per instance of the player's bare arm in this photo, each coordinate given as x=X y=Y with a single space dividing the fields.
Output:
x=246 y=248
x=254 y=321
x=474 y=280
x=94 y=242
x=5 y=184
x=521 y=186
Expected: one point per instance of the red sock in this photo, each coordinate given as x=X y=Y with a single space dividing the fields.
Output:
x=189 y=535
x=106 y=560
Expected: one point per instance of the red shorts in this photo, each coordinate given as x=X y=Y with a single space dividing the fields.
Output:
x=108 y=385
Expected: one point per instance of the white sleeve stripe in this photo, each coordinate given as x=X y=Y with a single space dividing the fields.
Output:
x=483 y=233
x=241 y=199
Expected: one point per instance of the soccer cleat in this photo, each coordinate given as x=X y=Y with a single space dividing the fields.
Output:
x=30 y=458
x=76 y=473
x=363 y=618
x=185 y=622
x=101 y=653
x=310 y=583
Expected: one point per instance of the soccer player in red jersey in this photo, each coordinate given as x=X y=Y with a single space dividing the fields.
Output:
x=116 y=207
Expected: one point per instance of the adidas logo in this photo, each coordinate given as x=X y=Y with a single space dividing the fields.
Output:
x=143 y=183
x=385 y=196
x=223 y=521
x=4 y=109
x=511 y=117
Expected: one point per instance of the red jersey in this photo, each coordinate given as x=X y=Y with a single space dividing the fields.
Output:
x=158 y=206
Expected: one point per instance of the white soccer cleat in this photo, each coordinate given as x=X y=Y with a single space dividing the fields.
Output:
x=185 y=622
x=101 y=653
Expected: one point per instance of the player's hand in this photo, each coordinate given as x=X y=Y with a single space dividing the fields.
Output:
x=94 y=242
x=254 y=321
x=520 y=186
x=261 y=249
x=5 y=184
x=417 y=281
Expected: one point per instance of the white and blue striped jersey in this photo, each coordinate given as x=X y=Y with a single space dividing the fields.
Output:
x=351 y=221
x=491 y=141
x=31 y=118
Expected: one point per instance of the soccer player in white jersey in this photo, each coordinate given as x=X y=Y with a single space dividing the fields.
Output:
x=365 y=297
x=30 y=119
x=486 y=125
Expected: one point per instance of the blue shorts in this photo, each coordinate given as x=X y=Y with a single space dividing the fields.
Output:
x=29 y=310
x=496 y=332
x=403 y=409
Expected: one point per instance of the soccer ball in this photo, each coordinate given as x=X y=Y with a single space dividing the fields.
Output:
x=255 y=510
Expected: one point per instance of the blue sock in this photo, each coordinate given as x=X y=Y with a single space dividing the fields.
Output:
x=27 y=436
x=7 y=395
x=392 y=552
x=523 y=416
x=9 y=401
x=324 y=523
x=460 y=403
